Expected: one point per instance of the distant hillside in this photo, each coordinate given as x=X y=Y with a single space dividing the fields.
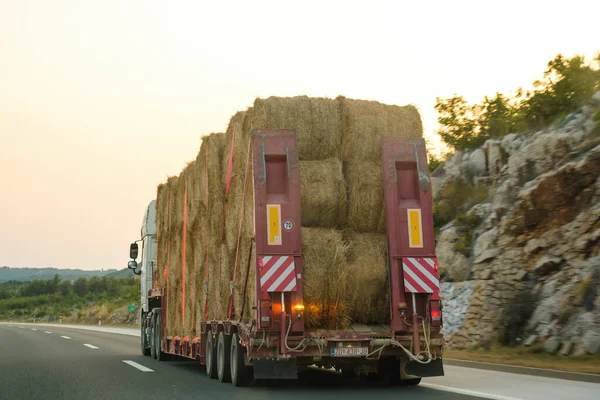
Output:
x=29 y=274
x=124 y=273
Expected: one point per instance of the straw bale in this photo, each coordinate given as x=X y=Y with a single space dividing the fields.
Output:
x=316 y=121
x=225 y=276
x=322 y=193
x=162 y=204
x=324 y=259
x=367 y=284
x=365 y=123
x=239 y=211
x=243 y=301
x=382 y=225
x=365 y=195
x=240 y=145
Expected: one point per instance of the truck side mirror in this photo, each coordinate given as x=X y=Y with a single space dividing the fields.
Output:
x=133 y=251
x=132 y=265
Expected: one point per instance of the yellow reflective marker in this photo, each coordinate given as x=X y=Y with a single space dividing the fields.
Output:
x=415 y=231
x=274 y=224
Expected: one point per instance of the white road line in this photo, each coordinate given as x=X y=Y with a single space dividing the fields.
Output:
x=33 y=329
x=49 y=333
x=138 y=366
x=518 y=366
x=91 y=346
x=467 y=392
x=65 y=337
x=22 y=327
x=10 y=326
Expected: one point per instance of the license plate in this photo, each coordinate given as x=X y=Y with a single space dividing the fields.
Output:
x=349 y=351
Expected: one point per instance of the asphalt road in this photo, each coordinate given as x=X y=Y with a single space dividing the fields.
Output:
x=55 y=362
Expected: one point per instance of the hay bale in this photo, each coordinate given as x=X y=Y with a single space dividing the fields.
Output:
x=365 y=195
x=316 y=121
x=324 y=259
x=225 y=276
x=365 y=123
x=240 y=145
x=244 y=301
x=322 y=193
x=366 y=284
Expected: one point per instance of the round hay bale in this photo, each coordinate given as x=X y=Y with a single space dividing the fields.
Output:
x=365 y=195
x=316 y=121
x=324 y=258
x=243 y=302
x=239 y=211
x=365 y=123
x=367 y=292
x=240 y=145
x=226 y=277
x=322 y=193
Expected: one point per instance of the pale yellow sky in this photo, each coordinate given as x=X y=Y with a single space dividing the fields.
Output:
x=101 y=100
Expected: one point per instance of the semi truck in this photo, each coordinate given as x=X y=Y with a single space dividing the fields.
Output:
x=277 y=344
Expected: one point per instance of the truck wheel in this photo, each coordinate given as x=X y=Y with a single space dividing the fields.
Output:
x=410 y=382
x=240 y=373
x=143 y=338
x=211 y=356
x=152 y=338
x=160 y=356
x=223 y=357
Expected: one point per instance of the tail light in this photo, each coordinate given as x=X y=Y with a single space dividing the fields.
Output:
x=436 y=314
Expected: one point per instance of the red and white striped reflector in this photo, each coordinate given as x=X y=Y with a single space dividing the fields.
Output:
x=277 y=273
x=420 y=275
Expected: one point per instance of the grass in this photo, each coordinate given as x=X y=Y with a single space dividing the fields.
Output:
x=528 y=357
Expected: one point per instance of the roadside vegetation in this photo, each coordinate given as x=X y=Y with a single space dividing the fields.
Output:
x=50 y=300
x=566 y=85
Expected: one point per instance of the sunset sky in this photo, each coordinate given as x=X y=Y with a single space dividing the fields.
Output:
x=101 y=100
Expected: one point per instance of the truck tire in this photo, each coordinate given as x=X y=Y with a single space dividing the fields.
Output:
x=240 y=373
x=152 y=338
x=143 y=338
x=223 y=357
x=410 y=382
x=211 y=356
x=160 y=356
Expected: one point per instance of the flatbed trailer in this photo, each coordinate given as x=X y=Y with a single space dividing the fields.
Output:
x=277 y=344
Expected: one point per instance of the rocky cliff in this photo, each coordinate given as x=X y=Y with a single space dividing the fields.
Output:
x=526 y=266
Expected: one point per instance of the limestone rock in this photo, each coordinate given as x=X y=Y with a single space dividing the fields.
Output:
x=596 y=99
x=477 y=163
x=591 y=340
x=449 y=259
x=551 y=345
x=547 y=264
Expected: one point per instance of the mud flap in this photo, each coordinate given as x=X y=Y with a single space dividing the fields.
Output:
x=274 y=369
x=434 y=368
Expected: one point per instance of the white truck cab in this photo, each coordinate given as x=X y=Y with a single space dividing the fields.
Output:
x=148 y=257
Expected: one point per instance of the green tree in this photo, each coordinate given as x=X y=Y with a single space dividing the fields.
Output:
x=65 y=288
x=566 y=85
x=458 y=122
x=80 y=287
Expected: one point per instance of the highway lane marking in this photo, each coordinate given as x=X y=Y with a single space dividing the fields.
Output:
x=467 y=392
x=91 y=346
x=33 y=329
x=49 y=333
x=65 y=337
x=21 y=327
x=138 y=366
x=516 y=366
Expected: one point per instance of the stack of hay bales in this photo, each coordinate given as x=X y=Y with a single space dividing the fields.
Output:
x=342 y=206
